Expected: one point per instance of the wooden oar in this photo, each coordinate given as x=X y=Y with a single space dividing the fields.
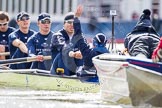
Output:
x=37 y=72
x=5 y=54
x=47 y=73
x=22 y=60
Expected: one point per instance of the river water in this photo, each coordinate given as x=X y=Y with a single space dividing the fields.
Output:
x=10 y=98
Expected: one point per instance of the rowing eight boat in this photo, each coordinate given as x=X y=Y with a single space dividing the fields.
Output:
x=39 y=80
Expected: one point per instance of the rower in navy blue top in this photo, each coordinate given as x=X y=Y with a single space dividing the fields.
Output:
x=18 y=40
x=18 y=34
x=61 y=45
x=39 y=44
x=99 y=42
x=5 y=30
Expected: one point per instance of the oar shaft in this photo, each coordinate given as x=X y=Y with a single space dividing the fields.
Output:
x=11 y=61
x=22 y=60
x=37 y=72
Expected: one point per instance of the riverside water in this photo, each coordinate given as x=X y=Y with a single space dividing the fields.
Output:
x=10 y=98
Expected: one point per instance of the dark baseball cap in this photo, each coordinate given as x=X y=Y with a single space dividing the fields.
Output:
x=69 y=16
x=22 y=14
x=44 y=16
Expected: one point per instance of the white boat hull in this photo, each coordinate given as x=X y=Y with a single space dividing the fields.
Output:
x=145 y=87
x=123 y=83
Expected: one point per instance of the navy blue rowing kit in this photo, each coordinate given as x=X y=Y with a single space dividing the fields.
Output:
x=78 y=42
x=60 y=54
x=40 y=44
x=87 y=52
x=15 y=52
x=4 y=38
x=18 y=35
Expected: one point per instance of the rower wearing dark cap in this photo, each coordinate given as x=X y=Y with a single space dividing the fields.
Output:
x=60 y=55
x=39 y=44
x=18 y=40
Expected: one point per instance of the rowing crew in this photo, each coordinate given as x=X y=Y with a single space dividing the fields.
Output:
x=25 y=42
x=69 y=49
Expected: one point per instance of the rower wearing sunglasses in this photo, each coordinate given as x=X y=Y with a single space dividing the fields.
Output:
x=39 y=44
x=18 y=40
x=5 y=30
x=61 y=44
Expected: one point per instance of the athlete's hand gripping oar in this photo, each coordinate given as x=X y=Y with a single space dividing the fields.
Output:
x=76 y=54
x=41 y=58
x=22 y=60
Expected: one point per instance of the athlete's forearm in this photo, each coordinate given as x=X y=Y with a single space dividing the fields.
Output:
x=18 y=43
x=23 y=47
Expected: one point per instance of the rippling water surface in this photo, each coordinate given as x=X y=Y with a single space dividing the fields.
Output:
x=50 y=99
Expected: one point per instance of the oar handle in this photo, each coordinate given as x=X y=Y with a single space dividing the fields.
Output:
x=31 y=59
x=47 y=57
x=5 y=54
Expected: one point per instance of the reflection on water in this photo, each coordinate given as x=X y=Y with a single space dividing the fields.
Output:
x=50 y=99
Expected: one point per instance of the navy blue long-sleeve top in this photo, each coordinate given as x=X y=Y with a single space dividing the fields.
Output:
x=39 y=43
x=18 y=35
x=4 y=37
x=87 y=52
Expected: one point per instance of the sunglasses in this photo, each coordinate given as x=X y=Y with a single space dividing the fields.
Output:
x=24 y=18
x=46 y=21
x=3 y=24
x=69 y=22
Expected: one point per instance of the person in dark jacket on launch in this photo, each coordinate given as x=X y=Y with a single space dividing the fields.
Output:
x=143 y=39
